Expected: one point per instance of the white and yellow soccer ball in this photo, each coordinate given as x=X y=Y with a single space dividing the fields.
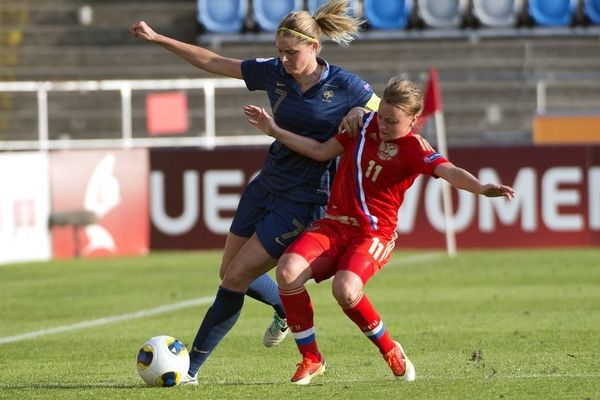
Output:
x=163 y=361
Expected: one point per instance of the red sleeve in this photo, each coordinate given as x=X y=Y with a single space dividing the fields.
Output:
x=425 y=158
x=343 y=138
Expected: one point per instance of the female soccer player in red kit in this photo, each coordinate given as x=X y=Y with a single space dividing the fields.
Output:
x=355 y=238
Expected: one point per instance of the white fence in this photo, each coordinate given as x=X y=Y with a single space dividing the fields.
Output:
x=206 y=138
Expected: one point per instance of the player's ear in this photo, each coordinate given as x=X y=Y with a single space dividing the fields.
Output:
x=315 y=47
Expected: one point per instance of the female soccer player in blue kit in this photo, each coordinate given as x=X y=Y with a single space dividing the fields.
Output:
x=309 y=97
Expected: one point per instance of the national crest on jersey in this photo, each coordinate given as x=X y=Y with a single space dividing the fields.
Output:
x=387 y=150
x=327 y=96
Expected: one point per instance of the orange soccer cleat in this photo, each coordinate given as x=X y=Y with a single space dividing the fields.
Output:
x=307 y=369
x=400 y=365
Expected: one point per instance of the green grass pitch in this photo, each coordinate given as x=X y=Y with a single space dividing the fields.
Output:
x=522 y=324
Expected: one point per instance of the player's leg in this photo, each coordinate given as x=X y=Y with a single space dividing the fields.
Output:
x=251 y=261
x=277 y=230
x=357 y=266
x=294 y=269
x=252 y=209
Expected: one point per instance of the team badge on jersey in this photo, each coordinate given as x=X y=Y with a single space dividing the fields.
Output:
x=387 y=150
x=327 y=96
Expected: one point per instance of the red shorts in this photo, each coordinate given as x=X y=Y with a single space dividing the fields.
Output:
x=330 y=246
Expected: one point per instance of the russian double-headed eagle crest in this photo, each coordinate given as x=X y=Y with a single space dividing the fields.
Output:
x=387 y=150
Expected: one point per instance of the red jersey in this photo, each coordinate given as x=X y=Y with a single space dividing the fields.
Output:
x=371 y=194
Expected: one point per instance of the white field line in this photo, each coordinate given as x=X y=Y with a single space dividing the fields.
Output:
x=420 y=378
x=107 y=320
x=400 y=261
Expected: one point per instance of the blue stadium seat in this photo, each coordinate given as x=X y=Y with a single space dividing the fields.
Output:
x=312 y=5
x=223 y=16
x=591 y=8
x=552 y=12
x=497 y=13
x=269 y=13
x=387 y=14
x=442 y=13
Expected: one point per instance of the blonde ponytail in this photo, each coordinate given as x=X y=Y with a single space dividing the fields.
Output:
x=332 y=20
x=336 y=23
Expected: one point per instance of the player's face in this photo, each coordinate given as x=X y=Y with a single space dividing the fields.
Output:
x=295 y=55
x=393 y=122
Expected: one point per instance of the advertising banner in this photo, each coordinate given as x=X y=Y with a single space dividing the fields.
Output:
x=24 y=207
x=194 y=194
x=99 y=203
x=557 y=201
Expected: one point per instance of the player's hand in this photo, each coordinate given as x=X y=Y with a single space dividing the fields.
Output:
x=141 y=30
x=258 y=117
x=353 y=121
x=492 y=190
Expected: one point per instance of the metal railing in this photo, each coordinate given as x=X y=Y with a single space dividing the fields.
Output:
x=206 y=138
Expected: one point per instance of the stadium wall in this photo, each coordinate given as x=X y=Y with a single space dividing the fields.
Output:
x=164 y=198
x=194 y=195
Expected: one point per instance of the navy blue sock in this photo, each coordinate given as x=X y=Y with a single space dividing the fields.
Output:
x=265 y=290
x=219 y=319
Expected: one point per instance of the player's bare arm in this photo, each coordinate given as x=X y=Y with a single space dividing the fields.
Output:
x=258 y=117
x=199 y=57
x=463 y=179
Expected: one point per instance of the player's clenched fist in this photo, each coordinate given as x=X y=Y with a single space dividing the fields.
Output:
x=141 y=30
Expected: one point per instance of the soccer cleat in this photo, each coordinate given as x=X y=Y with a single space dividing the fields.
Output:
x=400 y=365
x=189 y=380
x=306 y=370
x=276 y=332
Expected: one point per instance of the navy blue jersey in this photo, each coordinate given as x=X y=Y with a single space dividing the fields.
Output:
x=315 y=113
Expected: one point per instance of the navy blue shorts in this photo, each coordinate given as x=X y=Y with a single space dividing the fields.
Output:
x=276 y=220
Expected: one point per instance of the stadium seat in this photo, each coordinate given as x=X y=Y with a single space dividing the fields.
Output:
x=268 y=13
x=497 y=13
x=442 y=13
x=552 y=12
x=223 y=16
x=312 y=5
x=387 y=14
x=591 y=8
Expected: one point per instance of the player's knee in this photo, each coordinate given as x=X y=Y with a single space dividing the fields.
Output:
x=288 y=274
x=285 y=276
x=344 y=292
x=236 y=279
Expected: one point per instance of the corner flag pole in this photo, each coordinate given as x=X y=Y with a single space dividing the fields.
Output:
x=433 y=105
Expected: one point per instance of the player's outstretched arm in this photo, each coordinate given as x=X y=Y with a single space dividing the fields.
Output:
x=199 y=57
x=462 y=179
x=258 y=117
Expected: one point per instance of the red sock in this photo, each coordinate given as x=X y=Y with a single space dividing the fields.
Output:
x=364 y=315
x=299 y=311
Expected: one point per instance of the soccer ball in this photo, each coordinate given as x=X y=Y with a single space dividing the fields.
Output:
x=163 y=361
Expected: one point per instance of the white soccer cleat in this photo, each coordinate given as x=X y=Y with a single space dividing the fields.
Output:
x=276 y=332
x=189 y=380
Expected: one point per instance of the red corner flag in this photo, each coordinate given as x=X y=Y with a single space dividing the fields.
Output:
x=432 y=98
